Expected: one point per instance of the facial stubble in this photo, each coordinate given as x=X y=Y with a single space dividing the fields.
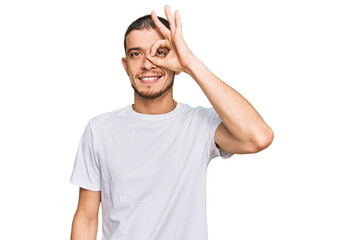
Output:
x=156 y=94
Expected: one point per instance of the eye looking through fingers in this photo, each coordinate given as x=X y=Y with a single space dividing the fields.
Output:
x=162 y=52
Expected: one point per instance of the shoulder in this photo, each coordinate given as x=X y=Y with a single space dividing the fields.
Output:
x=197 y=110
x=106 y=118
x=204 y=116
x=206 y=113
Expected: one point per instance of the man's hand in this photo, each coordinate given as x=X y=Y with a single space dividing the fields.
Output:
x=178 y=55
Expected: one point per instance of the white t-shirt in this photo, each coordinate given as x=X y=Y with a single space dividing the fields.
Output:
x=151 y=171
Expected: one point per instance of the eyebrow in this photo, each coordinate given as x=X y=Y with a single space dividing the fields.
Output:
x=135 y=48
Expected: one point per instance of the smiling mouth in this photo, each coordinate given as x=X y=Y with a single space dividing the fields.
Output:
x=149 y=79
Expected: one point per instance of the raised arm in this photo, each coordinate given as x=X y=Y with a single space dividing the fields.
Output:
x=242 y=129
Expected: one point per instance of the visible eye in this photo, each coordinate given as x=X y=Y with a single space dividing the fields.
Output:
x=161 y=53
x=134 y=54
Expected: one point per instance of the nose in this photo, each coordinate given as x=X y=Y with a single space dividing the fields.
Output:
x=147 y=64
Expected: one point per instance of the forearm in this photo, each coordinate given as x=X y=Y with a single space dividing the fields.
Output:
x=83 y=229
x=238 y=115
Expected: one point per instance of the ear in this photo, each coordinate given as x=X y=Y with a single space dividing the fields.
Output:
x=177 y=73
x=124 y=63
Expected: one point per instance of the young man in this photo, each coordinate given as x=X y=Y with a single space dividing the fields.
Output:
x=147 y=162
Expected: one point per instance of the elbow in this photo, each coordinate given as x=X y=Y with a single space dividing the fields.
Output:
x=267 y=139
x=263 y=140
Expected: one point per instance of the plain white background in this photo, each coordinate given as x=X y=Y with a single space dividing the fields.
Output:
x=298 y=62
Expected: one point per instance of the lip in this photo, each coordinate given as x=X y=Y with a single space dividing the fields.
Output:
x=158 y=77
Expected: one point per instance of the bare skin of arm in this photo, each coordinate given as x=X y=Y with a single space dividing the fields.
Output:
x=85 y=221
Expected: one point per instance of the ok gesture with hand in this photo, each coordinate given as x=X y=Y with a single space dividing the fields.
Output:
x=178 y=55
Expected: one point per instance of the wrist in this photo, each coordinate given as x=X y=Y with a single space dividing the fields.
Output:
x=192 y=65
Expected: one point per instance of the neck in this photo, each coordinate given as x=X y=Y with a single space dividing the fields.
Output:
x=154 y=106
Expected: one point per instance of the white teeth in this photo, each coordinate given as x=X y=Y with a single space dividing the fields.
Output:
x=149 y=78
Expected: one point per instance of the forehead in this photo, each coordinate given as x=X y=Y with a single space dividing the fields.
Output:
x=144 y=38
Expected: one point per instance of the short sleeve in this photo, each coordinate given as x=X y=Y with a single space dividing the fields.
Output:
x=213 y=121
x=86 y=169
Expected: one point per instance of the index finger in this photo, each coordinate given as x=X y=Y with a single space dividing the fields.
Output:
x=162 y=28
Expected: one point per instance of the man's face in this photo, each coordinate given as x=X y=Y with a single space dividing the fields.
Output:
x=148 y=80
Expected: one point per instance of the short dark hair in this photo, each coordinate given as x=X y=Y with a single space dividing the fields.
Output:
x=144 y=22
